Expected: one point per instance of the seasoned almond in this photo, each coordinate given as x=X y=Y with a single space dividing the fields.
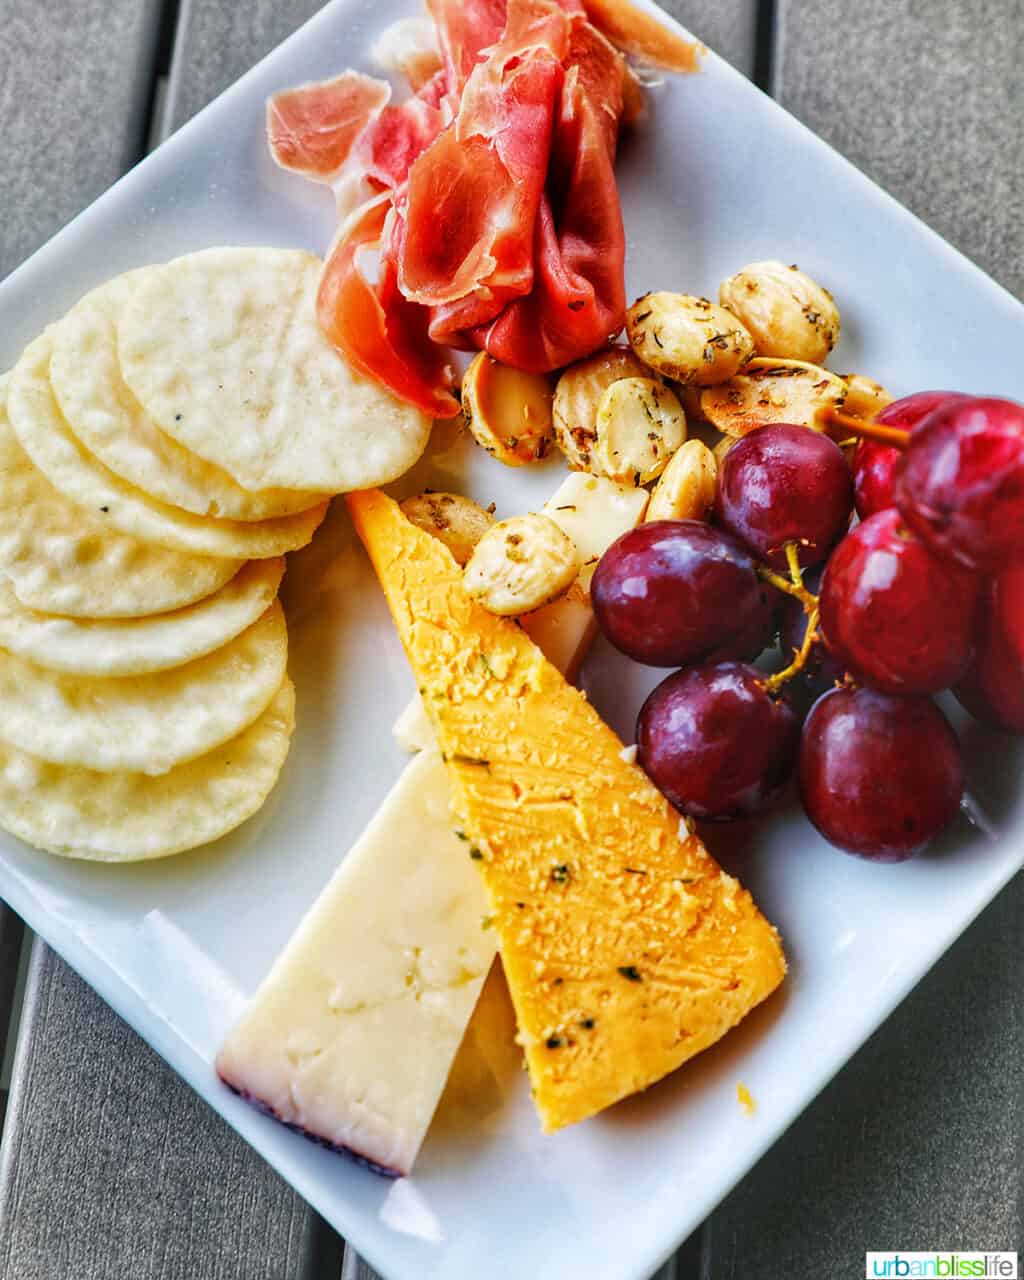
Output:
x=686 y=489
x=578 y=397
x=521 y=564
x=640 y=425
x=508 y=411
x=457 y=521
x=774 y=391
x=686 y=338
x=789 y=315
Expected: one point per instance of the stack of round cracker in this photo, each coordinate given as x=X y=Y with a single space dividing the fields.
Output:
x=161 y=448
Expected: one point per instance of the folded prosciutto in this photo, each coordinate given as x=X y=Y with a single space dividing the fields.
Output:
x=482 y=211
x=311 y=129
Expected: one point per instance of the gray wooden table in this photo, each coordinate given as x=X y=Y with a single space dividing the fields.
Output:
x=109 y=1166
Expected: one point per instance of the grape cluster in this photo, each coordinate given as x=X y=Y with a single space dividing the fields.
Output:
x=925 y=592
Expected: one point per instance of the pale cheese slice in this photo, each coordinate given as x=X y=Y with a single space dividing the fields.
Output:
x=351 y=1037
x=593 y=511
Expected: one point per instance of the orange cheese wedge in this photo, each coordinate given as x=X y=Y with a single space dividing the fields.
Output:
x=626 y=948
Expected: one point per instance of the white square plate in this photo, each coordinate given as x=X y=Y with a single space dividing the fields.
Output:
x=718 y=176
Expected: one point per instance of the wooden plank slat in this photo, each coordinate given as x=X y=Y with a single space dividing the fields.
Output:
x=74 y=94
x=917 y=1144
x=112 y=1167
x=927 y=99
x=11 y=936
x=219 y=40
x=11 y=931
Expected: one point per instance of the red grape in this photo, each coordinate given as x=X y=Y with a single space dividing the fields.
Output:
x=673 y=591
x=760 y=634
x=880 y=777
x=715 y=741
x=993 y=689
x=874 y=464
x=893 y=615
x=960 y=483
x=822 y=670
x=782 y=484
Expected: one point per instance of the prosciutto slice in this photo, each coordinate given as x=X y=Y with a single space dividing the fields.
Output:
x=482 y=180
x=642 y=35
x=481 y=212
x=578 y=297
x=380 y=333
x=466 y=29
x=399 y=134
x=311 y=129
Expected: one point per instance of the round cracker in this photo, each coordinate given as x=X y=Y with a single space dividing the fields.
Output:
x=44 y=435
x=143 y=724
x=224 y=350
x=139 y=646
x=114 y=427
x=64 y=560
x=128 y=817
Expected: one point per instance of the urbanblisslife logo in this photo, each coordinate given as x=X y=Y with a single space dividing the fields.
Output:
x=942 y=1266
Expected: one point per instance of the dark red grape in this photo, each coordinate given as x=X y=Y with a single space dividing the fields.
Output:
x=715 y=741
x=784 y=484
x=880 y=777
x=960 y=482
x=822 y=670
x=673 y=591
x=993 y=689
x=874 y=464
x=895 y=616
x=760 y=634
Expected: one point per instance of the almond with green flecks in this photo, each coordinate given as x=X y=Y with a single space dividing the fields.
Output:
x=686 y=338
x=578 y=397
x=774 y=391
x=521 y=564
x=686 y=489
x=789 y=315
x=455 y=520
x=640 y=425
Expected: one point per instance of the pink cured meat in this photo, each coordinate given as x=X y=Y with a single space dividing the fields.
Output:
x=466 y=29
x=399 y=134
x=372 y=325
x=578 y=298
x=482 y=179
x=499 y=224
x=311 y=129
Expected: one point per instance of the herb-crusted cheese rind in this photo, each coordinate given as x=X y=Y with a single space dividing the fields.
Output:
x=626 y=948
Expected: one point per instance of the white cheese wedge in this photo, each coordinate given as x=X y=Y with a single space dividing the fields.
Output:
x=412 y=730
x=352 y=1035
x=594 y=512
